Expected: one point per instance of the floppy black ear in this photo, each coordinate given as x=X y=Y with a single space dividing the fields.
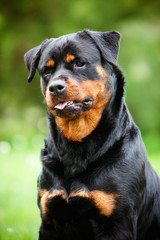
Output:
x=107 y=43
x=32 y=58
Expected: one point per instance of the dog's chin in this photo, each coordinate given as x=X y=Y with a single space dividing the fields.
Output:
x=73 y=109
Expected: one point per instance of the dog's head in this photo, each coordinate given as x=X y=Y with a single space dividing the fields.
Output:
x=74 y=81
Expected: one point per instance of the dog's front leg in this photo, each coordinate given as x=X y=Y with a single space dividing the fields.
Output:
x=52 y=207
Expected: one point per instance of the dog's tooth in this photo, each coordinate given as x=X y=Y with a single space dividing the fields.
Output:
x=69 y=102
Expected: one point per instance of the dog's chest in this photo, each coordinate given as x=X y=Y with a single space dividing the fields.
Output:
x=77 y=201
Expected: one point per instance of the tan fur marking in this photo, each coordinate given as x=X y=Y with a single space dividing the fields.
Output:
x=80 y=193
x=101 y=72
x=50 y=63
x=41 y=192
x=106 y=203
x=49 y=101
x=43 y=202
x=56 y=193
x=45 y=196
x=70 y=58
x=79 y=128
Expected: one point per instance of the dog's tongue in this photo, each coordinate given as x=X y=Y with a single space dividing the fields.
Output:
x=62 y=105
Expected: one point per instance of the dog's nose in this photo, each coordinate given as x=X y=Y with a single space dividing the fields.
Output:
x=57 y=88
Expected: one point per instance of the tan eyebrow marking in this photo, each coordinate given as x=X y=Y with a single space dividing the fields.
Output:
x=70 y=58
x=50 y=63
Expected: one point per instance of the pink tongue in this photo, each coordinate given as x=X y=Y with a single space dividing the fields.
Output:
x=62 y=105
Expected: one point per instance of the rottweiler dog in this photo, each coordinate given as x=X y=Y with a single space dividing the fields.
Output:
x=96 y=181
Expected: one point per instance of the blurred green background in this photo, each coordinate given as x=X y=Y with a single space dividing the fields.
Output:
x=23 y=125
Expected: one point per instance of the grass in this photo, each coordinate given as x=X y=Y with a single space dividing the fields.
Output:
x=19 y=214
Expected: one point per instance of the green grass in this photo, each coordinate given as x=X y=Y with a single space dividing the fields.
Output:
x=19 y=214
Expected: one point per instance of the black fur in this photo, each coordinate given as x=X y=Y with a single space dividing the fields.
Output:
x=112 y=159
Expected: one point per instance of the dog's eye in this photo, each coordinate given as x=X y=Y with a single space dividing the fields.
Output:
x=48 y=71
x=79 y=64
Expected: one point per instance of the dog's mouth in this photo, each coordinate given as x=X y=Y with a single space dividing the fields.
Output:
x=69 y=109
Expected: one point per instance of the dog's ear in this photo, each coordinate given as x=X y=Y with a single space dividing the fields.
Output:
x=107 y=43
x=32 y=58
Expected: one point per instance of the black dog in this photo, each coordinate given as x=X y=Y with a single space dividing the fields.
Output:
x=96 y=182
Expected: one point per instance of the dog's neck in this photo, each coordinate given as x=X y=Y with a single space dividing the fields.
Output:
x=75 y=156
x=84 y=125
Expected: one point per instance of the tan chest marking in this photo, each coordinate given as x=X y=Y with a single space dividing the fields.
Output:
x=45 y=196
x=104 y=202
